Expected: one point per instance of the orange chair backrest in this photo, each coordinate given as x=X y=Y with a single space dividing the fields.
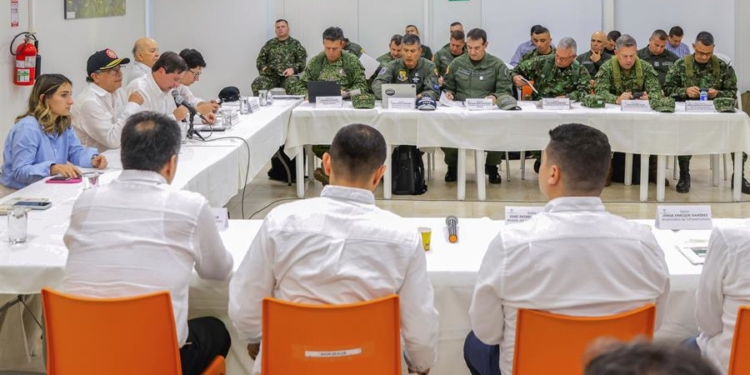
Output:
x=739 y=361
x=358 y=338
x=549 y=343
x=91 y=336
x=526 y=91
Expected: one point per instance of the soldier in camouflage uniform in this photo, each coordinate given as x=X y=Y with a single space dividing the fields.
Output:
x=688 y=77
x=656 y=55
x=445 y=55
x=279 y=60
x=353 y=48
x=543 y=43
x=595 y=57
x=410 y=68
x=476 y=75
x=626 y=74
x=333 y=64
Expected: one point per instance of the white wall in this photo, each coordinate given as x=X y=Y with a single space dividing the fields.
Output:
x=65 y=45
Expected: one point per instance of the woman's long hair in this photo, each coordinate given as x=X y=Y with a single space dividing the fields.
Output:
x=47 y=85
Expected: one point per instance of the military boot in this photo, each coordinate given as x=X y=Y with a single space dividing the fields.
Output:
x=492 y=172
x=683 y=185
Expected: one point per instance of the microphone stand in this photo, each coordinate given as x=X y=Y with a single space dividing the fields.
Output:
x=191 y=130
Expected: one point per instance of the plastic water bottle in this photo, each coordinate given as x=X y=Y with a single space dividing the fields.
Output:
x=704 y=95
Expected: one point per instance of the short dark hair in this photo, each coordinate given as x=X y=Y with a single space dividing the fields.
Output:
x=149 y=139
x=334 y=34
x=539 y=29
x=476 y=34
x=676 y=31
x=457 y=35
x=583 y=154
x=705 y=38
x=414 y=26
x=411 y=39
x=396 y=38
x=457 y=24
x=614 y=35
x=281 y=20
x=649 y=359
x=171 y=62
x=357 y=151
x=192 y=58
x=660 y=34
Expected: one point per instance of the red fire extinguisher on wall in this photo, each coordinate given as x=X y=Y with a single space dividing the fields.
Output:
x=28 y=60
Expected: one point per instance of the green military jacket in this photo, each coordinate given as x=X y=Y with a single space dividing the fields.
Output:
x=661 y=63
x=609 y=88
x=592 y=67
x=385 y=58
x=279 y=55
x=354 y=48
x=426 y=52
x=424 y=76
x=715 y=74
x=443 y=58
x=535 y=53
x=552 y=81
x=465 y=80
x=347 y=71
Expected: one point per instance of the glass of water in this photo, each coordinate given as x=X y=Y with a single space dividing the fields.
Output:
x=17 y=225
x=90 y=179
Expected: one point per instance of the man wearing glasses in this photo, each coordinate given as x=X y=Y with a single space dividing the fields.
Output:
x=100 y=111
x=195 y=63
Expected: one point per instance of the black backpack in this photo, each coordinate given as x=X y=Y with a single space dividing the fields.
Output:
x=282 y=168
x=407 y=170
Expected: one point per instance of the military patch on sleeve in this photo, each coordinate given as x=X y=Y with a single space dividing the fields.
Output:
x=435 y=71
x=436 y=87
x=382 y=70
x=448 y=70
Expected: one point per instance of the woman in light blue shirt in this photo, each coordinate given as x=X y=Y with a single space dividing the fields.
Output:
x=42 y=142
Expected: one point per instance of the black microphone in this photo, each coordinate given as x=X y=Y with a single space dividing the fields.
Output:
x=180 y=101
x=452 y=223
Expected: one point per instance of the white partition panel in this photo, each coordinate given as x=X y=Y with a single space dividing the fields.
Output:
x=308 y=19
x=379 y=20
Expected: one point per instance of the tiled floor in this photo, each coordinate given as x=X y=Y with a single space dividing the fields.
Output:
x=263 y=194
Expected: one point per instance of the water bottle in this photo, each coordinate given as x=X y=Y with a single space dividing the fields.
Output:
x=704 y=95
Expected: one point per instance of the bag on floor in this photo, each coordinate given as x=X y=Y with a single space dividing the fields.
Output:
x=282 y=168
x=407 y=170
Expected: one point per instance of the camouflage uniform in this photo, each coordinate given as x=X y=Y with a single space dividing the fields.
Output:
x=661 y=63
x=552 y=81
x=424 y=76
x=466 y=80
x=354 y=48
x=608 y=86
x=535 y=53
x=592 y=67
x=443 y=58
x=275 y=57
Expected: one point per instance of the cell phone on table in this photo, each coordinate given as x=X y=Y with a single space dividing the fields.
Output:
x=64 y=180
x=637 y=95
x=34 y=205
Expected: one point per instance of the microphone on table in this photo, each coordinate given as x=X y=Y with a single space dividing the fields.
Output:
x=452 y=223
x=180 y=101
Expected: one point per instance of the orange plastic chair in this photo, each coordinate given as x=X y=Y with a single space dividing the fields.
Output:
x=526 y=91
x=361 y=338
x=549 y=343
x=114 y=336
x=739 y=361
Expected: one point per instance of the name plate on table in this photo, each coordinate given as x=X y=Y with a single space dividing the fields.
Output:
x=221 y=218
x=253 y=104
x=555 y=104
x=636 y=106
x=329 y=102
x=705 y=106
x=479 y=104
x=401 y=103
x=520 y=214
x=684 y=217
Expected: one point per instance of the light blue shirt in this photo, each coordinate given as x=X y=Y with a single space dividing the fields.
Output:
x=29 y=153
x=680 y=50
x=523 y=49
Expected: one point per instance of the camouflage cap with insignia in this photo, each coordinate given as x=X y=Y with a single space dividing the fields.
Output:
x=663 y=104
x=724 y=104
x=507 y=103
x=363 y=101
x=594 y=101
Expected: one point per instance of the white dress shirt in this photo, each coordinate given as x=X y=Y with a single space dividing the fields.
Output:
x=136 y=235
x=339 y=248
x=138 y=70
x=572 y=259
x=98 y=116
x=154 y=99
x=724 y=287
x=188 y=96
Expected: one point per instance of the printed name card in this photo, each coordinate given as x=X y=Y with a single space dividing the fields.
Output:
x=221 y=218
x=704 y=106
x=684 y=217
x=401 y=103
x=329 y=102
x=479 y=104
x=635 y=106
x=253 y=105
x=520 y=214
x=555 y=104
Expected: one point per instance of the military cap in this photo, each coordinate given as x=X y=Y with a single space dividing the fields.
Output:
x=363 y=101
x=508 y=103
x=724 y=104
x=426 y=103
x=593 y=101
x=663 y=104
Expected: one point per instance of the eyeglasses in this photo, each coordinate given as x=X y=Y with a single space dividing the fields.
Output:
x=196 y=74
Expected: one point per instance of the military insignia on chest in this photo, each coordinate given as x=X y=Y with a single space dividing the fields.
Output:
x=402 y=76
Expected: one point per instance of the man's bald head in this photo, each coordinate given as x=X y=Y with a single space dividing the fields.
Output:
x=146 y=51
x=598 y=40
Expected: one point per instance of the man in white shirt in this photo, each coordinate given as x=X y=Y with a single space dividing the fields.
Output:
x=572 y=259
x=145 y=53
x=155 y=88
x=136 y=235
x=195 y=65
x=100 y=111
x=339 y=248
x=724 y=287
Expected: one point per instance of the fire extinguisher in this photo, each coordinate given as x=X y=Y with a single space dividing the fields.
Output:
x=28 y=60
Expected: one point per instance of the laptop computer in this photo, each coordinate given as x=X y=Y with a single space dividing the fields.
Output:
x=322 y=88
x=398 y=90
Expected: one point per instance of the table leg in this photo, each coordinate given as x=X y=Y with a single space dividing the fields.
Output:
x=479 y=167
x=461 y=183
x=310 y=161
x=715 y=170
x=300 y=173
x=661 y=173
x=388 y=176
x=629 y=168
x=644 y=176
x=737 y=176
